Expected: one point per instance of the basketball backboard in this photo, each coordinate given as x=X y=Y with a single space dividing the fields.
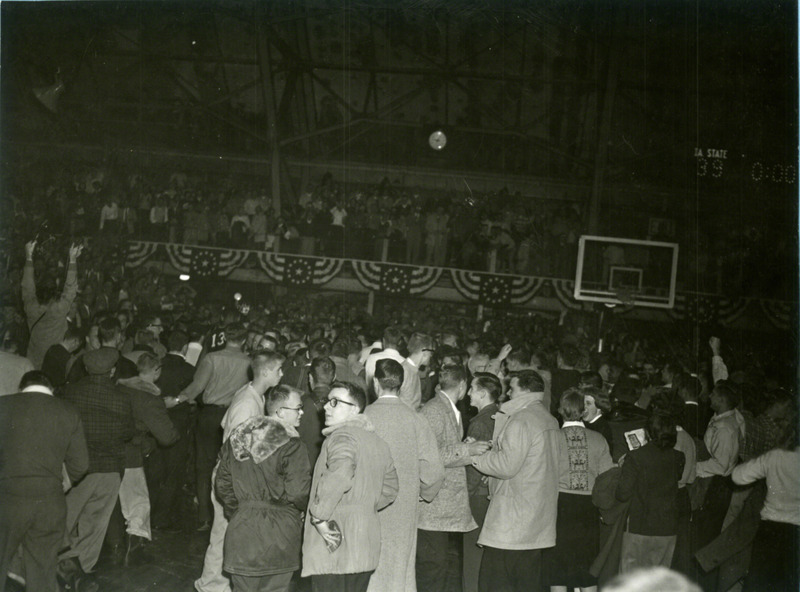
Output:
x=626 y=271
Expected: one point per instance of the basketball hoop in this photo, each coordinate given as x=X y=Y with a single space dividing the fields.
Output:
x=625 y=297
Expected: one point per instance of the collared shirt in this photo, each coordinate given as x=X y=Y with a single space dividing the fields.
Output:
x=722 y=441
x=218 y=376
x=246 y=403
x=568 y=424
x=455 y=411
x=37 y=388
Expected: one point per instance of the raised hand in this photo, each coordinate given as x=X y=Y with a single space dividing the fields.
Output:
x=29 y=248
x=75 y=252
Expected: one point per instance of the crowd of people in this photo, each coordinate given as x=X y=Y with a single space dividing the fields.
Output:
x=348 y=452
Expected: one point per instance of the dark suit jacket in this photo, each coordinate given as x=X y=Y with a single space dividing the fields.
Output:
x=176 y=375
x=55 y=364
x=601 y=426
x=649 y=480
x=39 y=433
x=313 y=421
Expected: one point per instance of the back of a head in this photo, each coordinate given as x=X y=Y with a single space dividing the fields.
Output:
x=146 y=363
x=627 y=389
x=344 y=346
x=490 y=383
x=235 y=333
x=73 y=333
x=392 y=337
x=419 y=342
x=530 y=381
x=35 y=378
x=389 y=374
x=263 y=359
x=729 y=391
x=591 y=378
x=144 y=337
x=571 y=406
x=661 y=430
x=108 y=331
x=519 y=357
x=320 y=348
x=323 y=370
x=451 y=376
x=651 y=579
x=569 y=354
x=177 y=340
x=278 y=396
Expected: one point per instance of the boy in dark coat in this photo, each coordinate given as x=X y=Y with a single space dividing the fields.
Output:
x=263 y=483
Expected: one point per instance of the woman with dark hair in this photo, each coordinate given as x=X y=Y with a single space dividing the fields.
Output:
x=649 y=480
x=583 y=454
x=596 y=406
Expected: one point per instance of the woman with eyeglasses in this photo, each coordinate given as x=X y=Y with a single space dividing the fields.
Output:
x=354 y=477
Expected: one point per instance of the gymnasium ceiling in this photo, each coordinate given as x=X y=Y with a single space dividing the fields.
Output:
x=551 y=89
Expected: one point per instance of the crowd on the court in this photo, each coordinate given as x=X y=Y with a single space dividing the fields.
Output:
x=358 y=452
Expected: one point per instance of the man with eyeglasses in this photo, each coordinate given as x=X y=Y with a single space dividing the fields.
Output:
x=354 y=477
x=263 y=481
x=249 y=401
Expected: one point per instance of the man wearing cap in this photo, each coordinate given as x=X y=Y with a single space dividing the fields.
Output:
x=108 y=422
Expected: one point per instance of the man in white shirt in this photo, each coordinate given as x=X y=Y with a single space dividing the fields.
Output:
x=722 y=438
x=248 y=402
x=391 y=347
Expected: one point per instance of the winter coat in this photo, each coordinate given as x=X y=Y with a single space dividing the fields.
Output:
x=523 y=471
x=420 y=473
x=354 y=477
x=263 y=481
x=449 y=511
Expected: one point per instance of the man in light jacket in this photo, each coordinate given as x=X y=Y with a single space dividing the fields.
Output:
x=449 y=511
x=354 y=477
x=523 y=466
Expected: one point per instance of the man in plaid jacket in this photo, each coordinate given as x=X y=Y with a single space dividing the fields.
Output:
x=108 y=422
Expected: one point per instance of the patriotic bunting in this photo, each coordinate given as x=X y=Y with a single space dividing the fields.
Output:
x=391 y=278
x=500 y=290
x=299 y=271
x=205 y=262
x=139 y=252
